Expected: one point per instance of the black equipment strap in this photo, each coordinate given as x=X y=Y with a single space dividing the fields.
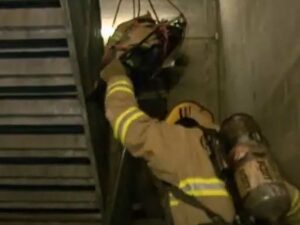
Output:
x=191 y=200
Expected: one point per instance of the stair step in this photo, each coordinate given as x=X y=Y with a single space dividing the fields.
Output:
x=44 y=153
x=42 y=120
x=40 y=107
x=37 y=196
x=50 y=183
x=67 y=171
x=47 y=172
x=32 y=17
x=48 y=217
x=13 y=4
x=28 y=81
x=23 y=33
x=42 y=141
x=37 y=67
x=51 y=207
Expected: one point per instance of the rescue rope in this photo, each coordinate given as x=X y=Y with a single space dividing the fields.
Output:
x=133 y=4
x=117 y=13
x=139 y=10
x=153 y=10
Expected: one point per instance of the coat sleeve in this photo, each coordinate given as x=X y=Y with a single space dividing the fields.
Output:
x=293 y=216
x=144 y=137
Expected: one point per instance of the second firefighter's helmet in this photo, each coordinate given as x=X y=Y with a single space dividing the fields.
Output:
x=191 y=114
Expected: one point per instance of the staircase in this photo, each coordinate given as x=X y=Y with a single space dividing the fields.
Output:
x=47 y=167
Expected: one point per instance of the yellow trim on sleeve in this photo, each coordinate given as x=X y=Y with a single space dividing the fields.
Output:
x=120 y=118
x=200 y=180
x=121 y=89
x=207 y=193
x=127 y=124
x=294 y=206
x=117 y=83
x=174 y=203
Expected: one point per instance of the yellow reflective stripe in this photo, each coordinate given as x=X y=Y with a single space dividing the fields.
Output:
x=172 y=200
x=120 y=118
x=201 y=193
x=128 y=122
x=201 y=187
x=294 y=210
x=295 y=199
x=117 y=83
x=174 y=203
x=116 y=89
x=294 y=206
x=199 y=180
x=206 y=193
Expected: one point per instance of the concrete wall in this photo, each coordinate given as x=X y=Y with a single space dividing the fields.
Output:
x=261 y=49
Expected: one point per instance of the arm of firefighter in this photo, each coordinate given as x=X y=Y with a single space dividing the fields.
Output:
x=293 y=216
x=144 y=137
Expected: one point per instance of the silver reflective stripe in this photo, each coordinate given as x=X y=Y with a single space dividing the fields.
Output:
x=201 y=187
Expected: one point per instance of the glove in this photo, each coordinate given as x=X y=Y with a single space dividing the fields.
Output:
x=128 y=35
x=114 y=68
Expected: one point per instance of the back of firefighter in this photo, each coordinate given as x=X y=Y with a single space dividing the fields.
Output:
x=173 y=153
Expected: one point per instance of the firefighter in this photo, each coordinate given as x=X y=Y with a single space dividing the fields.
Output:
x=173 y=153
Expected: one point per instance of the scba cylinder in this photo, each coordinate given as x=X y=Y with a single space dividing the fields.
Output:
x=258 y=181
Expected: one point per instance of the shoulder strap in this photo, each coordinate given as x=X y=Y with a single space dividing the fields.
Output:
x=191 y=200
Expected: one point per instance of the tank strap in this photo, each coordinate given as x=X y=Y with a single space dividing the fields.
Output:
x=191 y=200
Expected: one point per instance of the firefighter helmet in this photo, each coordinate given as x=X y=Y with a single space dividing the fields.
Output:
x=189 y=114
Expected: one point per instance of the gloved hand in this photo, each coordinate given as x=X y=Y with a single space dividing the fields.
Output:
x=128 y=35
x=114 y=68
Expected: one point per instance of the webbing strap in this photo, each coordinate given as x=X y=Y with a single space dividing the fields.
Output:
x=191 y=200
